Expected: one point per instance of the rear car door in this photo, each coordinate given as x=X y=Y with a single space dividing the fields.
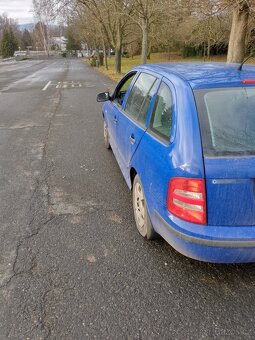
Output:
x=132 y=120
x=156 y=147
x=227 y=123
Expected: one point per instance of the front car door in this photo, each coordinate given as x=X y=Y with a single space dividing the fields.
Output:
x=112 y=109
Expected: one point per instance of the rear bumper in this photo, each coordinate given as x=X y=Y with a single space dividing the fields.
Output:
x=230 y=245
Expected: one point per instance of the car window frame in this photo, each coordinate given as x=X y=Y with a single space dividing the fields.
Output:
x=120 y=84
x=166 y=141
x=157 y=80
x=155 y=86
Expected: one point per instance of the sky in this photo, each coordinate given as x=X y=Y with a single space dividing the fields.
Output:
x=17 y=9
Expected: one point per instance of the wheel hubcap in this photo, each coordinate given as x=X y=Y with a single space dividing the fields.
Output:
x=139 y=206
x=105 y=133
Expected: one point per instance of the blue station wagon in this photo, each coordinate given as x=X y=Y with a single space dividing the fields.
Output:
x=184 y=137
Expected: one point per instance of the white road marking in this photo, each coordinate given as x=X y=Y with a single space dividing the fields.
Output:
x=65 y=85
x=6 y=88
x=46 y=86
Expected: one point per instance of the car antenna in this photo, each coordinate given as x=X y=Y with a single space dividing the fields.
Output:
x=244 y=61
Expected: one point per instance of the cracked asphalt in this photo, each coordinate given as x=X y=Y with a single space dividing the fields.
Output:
x=72 y=265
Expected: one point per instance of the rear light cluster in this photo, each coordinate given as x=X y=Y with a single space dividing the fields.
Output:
x=186 y=199
x=248 y=81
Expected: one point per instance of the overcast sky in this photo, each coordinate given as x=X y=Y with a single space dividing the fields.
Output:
x=17 y=9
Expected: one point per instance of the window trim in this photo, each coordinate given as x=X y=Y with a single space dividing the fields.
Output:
x=120 y=84
x=157 y=79
x=159 y=138
x=155 y=91
x=136 y=122
x=156 y=133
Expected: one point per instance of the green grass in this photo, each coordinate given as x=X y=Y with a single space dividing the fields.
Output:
x=128 y=63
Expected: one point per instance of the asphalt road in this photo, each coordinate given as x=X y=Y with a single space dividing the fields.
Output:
x=72 y=265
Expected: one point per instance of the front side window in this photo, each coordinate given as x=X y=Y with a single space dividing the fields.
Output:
x=227 y=120
x=122 y=89
x=161 y=121
x=138 y=99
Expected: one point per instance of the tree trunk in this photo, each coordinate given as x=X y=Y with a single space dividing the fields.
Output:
x=149 y=51
x=97 y=53
x=144 y=42
x=118 y=47
x=105 y=57
x=43 y=34
x=118 y=60
x=208 y=49
x=236 y=46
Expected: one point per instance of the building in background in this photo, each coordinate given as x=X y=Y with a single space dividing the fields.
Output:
x=59 y=43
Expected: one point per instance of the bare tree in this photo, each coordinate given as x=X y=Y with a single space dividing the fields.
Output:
x=109 y=16
x=239 y=29
x=144 y=14
x=44 y=14
x=161 y=24
x=241 y=10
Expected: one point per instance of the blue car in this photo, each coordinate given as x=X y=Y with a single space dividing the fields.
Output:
x=184 y=137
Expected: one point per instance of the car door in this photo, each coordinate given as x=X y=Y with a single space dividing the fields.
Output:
x=113 y=108
x=132 y=120
x=156 y=165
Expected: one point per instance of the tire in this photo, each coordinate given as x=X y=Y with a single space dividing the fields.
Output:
x=106 y=137
x=142 y=218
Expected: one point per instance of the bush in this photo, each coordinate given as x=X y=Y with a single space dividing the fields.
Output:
x=93 y=62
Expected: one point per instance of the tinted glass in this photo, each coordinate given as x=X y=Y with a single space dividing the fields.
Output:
x=138 y=94
x=161 y=122
x=146 y=104
x=227 y=120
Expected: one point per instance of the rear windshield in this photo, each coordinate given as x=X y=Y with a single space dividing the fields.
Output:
x=227 y=120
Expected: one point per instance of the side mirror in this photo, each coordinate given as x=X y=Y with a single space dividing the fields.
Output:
x=103 y=97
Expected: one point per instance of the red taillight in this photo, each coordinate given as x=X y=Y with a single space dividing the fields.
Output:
x=186 y=199
x=248 y=81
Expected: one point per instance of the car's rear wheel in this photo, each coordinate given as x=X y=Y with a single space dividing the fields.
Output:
x=142 y=218
x=106 y=137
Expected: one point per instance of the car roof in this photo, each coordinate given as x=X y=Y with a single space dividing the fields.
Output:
x=204 y=74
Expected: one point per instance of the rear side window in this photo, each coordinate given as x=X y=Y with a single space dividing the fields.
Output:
x=227 y=120
x=161 y=120
x=146 y=104
x=138 y=100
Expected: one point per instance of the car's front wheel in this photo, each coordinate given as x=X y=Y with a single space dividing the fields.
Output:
x=142 y=218
x=106 y=137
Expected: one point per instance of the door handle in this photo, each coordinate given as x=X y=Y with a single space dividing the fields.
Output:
x=132 y=139
x=115 y=119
